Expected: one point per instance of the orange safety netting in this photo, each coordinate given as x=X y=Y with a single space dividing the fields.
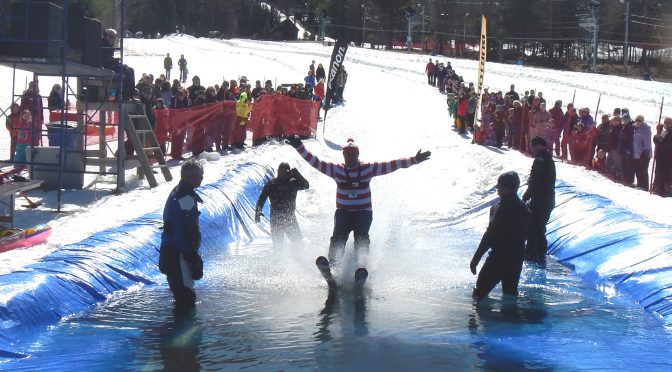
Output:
x=272 y=115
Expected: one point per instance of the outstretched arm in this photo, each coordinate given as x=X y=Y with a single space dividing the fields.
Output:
x=382 y=168
x=322 y=166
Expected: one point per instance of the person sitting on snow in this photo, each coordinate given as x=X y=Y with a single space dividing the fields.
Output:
x=599 y=161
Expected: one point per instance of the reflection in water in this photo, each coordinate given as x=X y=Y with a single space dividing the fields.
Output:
x=179 y=345
x=264 y=311
x=487 y=313
x=333 y=309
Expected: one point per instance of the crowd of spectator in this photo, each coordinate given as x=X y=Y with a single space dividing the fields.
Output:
x=619 y=146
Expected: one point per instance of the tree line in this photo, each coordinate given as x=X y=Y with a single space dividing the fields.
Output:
x=550 y=28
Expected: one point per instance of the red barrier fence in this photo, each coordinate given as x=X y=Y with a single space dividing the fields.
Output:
x=271 y=115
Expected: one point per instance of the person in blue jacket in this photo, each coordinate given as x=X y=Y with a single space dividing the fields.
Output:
x=179 y=259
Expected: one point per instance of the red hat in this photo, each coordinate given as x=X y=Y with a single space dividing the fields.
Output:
x=350 y=147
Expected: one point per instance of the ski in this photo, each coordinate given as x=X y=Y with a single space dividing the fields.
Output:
x=323 y=265
x=360 y=277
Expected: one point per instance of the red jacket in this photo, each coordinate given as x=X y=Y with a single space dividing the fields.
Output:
x=462 y=107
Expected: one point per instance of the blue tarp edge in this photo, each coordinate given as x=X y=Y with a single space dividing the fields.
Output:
x=76 y=277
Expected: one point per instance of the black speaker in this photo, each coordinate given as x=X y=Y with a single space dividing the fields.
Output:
x=84 y=37
x=92 y=55
x=31 y=29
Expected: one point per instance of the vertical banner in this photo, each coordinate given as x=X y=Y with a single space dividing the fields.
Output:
x=337 y=57
x=483 y=50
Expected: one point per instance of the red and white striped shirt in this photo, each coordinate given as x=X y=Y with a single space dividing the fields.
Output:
x=352 y=185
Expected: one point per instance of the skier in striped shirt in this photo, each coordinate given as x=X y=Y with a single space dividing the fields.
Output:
x=353 y=194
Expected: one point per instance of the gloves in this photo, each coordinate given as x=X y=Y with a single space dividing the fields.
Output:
x=422 y=156
x=295 y=141
x=257 y=216
x=472 y=265
x=195 y=264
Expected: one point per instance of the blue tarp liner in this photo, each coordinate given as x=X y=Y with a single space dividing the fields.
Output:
x=77 y=276
x=607 y=246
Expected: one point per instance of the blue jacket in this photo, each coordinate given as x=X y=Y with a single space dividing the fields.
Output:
x=180 y=220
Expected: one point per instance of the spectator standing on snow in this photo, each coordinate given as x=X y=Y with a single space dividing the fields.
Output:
x=512 y=93
x=625 y=142
x=569 y=121
x=194 y=88
x=614 y=158
x=515 y=122
x=320 y=73
x=310 y=81
x=32 y=101
x=182 y=64
x=461 y=119
x=179 y=259
x=341 y=79
x=257 y=90
x=505 y=239
x=641 y=152
x=12 y=123
x=662 y=178
x=540 y=196
x=55 y=102
x=556 y=116
x=471 y=110
x=602 y=134
x=540 y=121
x=168 y=65
x=166 y=94
x=429 y=71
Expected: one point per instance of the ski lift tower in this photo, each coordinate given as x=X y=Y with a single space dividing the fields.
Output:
x=589 y=23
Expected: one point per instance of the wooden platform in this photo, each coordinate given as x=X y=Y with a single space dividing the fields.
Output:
x=8 y=190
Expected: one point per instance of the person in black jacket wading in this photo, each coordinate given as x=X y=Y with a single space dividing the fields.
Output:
x=540 y=198
x=282 y=193
x=505 y=238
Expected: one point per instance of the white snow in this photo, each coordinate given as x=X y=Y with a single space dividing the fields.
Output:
x=390 y=111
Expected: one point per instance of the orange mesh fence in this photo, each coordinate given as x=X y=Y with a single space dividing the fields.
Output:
x=273 y=115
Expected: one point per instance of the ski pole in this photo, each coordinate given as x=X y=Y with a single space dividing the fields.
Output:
x=574 y=96
x=598 y=104
x=653 y=167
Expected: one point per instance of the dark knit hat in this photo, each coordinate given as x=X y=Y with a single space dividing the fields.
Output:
x=510 y=180
x=538 y=141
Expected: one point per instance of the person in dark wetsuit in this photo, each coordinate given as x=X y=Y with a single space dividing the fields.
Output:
x=505 y=237
x=282 y=193
x=540 y=197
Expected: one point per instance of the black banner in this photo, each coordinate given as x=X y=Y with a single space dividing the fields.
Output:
x=337 y=57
